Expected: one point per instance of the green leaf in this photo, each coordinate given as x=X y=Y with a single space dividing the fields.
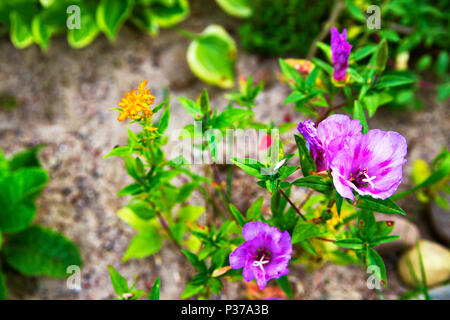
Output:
x=191 y=107
x=339 y=200
x=196 y=263
x=308 y=247
x=191 y=290
x=306 y=230
x=204 y=102
x=39 y=251
x=212 y=55
x=388 y=81
x=141 y=225
x=111 y=14
x=375 y=100
x=317 y=183
x=119 y=283
x=154 y=293
x=3 y=289
x=275 y=204
x=384 y=228
x=362 y=53
x=164 y=121
x=190 y=213
x=382 y=57
x=292 y=76
x=230 y=116
x=142 y=209
x=185 y=191
x=20 y=31
x=18 y=191
x=326 y=49
x=254 y=211
x=355 y=244
x=358 y=113
x=366 y=224
x=379 y=240
x=374 y=259
x=295 y=96
x=25 y=159
x=323 y=65
x=88 y=31
x=377 y=205
x=306 y=161
x=119 y=152
x=143 y=245
x=132 y=189
x=144 y=20
x=236 y=8
x=284 y=284
x=237 y=215
x=169 y=15
x=250 y=166
x=354 y=11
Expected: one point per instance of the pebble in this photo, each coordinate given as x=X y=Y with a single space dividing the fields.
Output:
x=407 y=231
x=436 y=262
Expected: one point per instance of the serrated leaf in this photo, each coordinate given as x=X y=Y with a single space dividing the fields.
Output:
x=39 y=251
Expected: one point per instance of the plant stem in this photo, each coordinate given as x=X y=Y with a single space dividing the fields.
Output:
x=308 y=195
x=166 y=227
x=292 y=204
x=331 y=109
x=338 y=6
x=185 y=33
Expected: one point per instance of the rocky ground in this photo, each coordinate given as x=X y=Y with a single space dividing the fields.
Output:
x=63 y=99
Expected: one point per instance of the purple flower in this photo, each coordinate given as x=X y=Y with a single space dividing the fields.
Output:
x=340 y=51
x=332 y=135
x=264 y=255
x=372 y=165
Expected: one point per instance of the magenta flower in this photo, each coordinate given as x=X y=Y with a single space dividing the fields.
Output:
x=340 y=51
x=371 y=165
x=264 y=255
x=332 y=135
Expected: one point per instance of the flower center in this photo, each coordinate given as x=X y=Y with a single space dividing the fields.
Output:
x=362 y=179
x=262 y=258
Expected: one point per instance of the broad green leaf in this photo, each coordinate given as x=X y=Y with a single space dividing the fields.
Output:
x=284 y=284
x=132 y=189
x=317 y=183
x=111 y=14
x=154 y=292
x=169 y=15
x=39 y=251
x=377 y=205
x=143 y=245
x=362 y=53
x=358 y=113
x=88 y=31
x=293 y=77
x=142 y=209
x=18 y=191
x=141 y=225
x=48 y=22
x=236 y=8
x=190 y=213
x=306 y=161
x=375 y=100
x=366 y=224
x=323 y=65
x=119 y=152
x=355 y=244
x=384 y=228
x=230 y=116
x=306 y=230
x=238 y=216
x=212 y=55
x=254 y=211
x=144 y=20
x=25 y=159
x=185 y=191
x=20 y=31
x=308 y=247
x=295 y=96
x=119 y=283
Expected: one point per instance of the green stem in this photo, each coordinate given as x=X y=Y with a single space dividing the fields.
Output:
x=185 y=33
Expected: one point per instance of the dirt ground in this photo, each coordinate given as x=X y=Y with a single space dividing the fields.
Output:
x=63 y=99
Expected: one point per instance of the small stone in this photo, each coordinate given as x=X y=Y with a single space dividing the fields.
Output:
x=440 y=220
x=436 y=262
x=407 y=231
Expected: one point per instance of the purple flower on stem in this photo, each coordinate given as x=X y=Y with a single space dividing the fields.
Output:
x=264 y=255
x=340 y=52
x=371 y=166
x=332 y=135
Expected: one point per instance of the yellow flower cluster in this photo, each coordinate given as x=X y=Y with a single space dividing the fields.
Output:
x=136 y=104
